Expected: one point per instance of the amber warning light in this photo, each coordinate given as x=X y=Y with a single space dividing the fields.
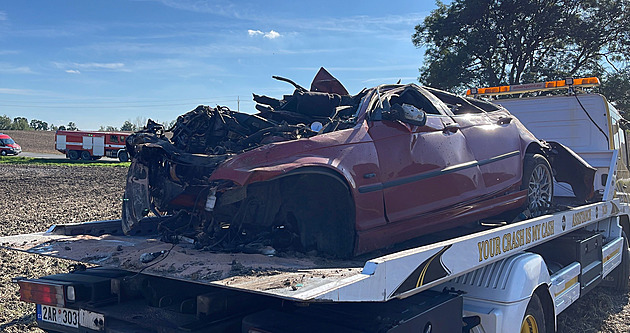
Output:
x=586 y=82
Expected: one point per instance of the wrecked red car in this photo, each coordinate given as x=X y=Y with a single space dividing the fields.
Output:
x=322 y=170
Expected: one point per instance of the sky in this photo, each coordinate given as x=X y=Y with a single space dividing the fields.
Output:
x=100 y=63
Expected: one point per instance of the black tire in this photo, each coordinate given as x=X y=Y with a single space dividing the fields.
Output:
x=538 y=181
x=4 y=153
x=534 y=318
x=123 y=156
x=621 y=273
x=73 y=155
x=85 y=155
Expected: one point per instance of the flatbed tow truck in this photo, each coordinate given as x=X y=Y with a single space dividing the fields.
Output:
x=508 y=278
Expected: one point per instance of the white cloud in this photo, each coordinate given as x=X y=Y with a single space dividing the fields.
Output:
x=3 y=16
x=11 y=91
x=10 y=69
x=272 y=34
x=91 y=66
x=97 y=65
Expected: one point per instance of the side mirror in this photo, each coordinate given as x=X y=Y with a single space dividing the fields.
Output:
x=409 y=114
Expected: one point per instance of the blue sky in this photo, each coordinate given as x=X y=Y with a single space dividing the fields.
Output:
x=103 y=62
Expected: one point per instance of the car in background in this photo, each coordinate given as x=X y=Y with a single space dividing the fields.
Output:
x=8 y=146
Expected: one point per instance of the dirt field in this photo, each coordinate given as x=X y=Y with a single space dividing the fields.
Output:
x=35 y=197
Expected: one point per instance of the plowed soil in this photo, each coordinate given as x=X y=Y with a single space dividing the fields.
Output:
x=32 y=198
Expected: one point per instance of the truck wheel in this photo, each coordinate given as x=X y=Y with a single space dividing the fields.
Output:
x=621 y=273
x=538 y=181
x=534 y=319
x=85 y=155
x=73 y=155
x=123 y=156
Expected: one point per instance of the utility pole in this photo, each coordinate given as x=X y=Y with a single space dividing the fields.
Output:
x=238 y=103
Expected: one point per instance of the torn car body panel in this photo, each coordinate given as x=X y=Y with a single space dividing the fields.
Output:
x=324 y=171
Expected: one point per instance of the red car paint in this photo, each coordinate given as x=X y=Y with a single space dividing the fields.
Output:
x=407 y=180
x=8 y=146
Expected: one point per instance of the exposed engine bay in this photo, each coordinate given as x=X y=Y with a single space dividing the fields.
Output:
x=169 y=176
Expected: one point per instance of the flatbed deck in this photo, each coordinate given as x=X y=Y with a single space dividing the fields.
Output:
x=396 y=275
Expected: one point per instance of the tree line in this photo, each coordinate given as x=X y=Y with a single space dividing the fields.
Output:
x=22 y=124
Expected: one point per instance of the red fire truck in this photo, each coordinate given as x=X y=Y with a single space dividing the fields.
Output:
x=92 y=145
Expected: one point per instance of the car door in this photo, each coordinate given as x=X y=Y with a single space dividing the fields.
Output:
x=494 y=141
x=423 y=169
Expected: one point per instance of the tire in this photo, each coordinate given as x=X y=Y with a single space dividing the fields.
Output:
x=73 y=155
x=534 y=318
x=538 y=181
x=621 y=273
x=85 y=155
x=123 y=156
x=3 y=153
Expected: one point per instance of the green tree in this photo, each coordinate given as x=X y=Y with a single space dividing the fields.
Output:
x=107 y=128
x=128 y=126
x=38 y=125
x=496 y=42
x=5 y=122
x=20 y=123
x=71 y=127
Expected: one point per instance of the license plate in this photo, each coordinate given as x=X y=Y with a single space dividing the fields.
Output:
x=56 y=315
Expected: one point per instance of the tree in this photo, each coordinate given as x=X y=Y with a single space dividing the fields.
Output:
x=107 y=128
x=5 y=122
x=497 y=42
x=38 y=125
x=128 y=126
x=71 y=127
x=20 y=123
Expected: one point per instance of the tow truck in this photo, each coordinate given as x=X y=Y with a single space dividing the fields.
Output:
x=494 y=277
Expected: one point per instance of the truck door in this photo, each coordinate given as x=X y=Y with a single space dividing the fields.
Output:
x=87 y=142
x=99 y=146
x=61 y=142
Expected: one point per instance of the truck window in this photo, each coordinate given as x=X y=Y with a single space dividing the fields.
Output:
x=113 y=138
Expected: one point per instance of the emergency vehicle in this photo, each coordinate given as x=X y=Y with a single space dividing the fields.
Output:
x=8 y=146
x=499 y=277
x=92 y=145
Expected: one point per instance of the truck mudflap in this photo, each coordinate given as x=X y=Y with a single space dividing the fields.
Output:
x=570 y=168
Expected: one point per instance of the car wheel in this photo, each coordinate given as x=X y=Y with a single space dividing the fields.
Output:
x=85 y=155
x=538 y=181
x=4 y=153
x=73 y=155
x=534 y=318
